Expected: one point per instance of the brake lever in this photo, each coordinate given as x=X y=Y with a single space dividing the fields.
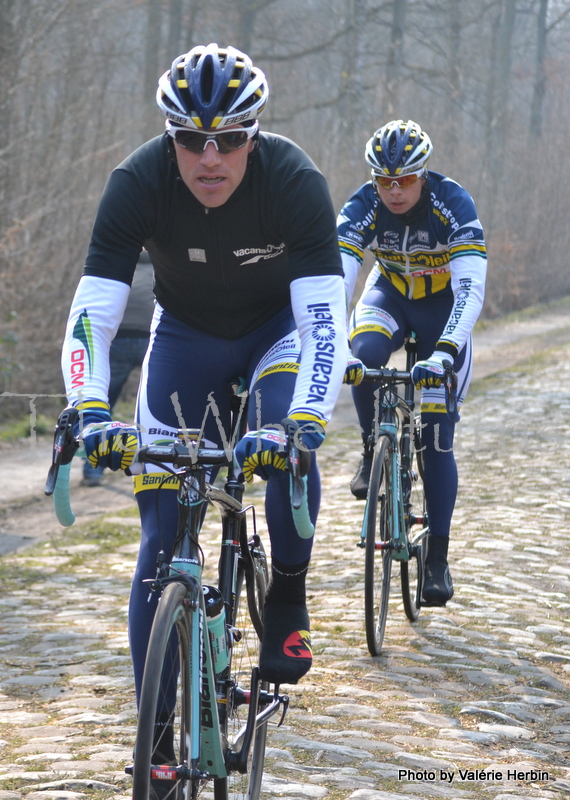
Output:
x=450 y=384
x=64 y=445
x=295 y=463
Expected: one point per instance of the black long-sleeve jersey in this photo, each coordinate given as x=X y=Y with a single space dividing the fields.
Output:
x=226 y=270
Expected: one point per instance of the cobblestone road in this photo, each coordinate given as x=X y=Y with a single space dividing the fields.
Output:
x=472 y=701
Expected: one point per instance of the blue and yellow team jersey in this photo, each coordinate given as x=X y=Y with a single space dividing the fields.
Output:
x=417 y=258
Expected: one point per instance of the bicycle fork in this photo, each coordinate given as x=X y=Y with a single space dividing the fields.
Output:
x=398 y=542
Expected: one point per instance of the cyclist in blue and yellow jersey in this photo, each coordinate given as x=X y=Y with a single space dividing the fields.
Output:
x=240 y=227
x=429 y=277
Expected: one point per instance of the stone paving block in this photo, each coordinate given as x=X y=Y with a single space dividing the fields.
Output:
x=283 y=787
x=422 y=763
x=375 y=794
x=55 y=794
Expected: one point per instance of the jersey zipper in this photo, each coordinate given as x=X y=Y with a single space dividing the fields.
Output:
x=212 y=224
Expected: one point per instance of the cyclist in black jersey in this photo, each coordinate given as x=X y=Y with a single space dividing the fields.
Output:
x=241 y=230
x=429 y=278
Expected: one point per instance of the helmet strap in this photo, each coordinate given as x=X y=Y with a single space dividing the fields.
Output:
x=171 y=149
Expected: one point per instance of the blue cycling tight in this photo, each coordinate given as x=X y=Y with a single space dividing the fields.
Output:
x=380 y=323
x=185 y=383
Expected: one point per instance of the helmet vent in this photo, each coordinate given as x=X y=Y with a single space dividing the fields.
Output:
x=207 y=80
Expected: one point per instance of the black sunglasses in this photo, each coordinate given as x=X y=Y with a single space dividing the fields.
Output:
x=226 y=142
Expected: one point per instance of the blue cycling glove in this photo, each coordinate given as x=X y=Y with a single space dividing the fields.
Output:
x=107 y=443
x=264 y=452
x=430 y=372
x=354 y=372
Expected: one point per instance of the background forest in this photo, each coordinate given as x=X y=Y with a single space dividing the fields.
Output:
x=486 y=78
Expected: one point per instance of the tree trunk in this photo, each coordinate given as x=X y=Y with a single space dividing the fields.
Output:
x=539 y=89
x=453 y=98
x=152 y=69
x=175 y=31
x=395 y=56
x=497 y=106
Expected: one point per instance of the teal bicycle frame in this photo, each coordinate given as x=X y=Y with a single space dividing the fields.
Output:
x=399 y=429
x=389 y=428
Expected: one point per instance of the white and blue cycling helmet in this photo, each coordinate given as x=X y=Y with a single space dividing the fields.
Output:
x=212 y=88
x=398 y=148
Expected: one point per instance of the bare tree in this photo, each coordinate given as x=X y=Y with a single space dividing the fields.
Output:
x=395 y=59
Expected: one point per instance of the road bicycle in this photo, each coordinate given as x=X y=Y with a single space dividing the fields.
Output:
x=201 y=678
x=395 y=520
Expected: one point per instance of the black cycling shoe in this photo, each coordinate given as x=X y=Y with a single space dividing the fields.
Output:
x=359 y=484
x=437 y=586
x=286 y=653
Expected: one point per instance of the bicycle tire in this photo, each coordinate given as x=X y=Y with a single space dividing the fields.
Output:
x=378 y=562
x=245 y=656
x=167 y=660
x=412 y=571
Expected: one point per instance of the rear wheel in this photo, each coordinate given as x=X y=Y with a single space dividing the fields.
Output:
x=166 y=698
x=377 y=524
x=250 y=598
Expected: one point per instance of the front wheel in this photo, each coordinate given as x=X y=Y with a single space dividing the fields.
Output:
x=377 y=523
x=163 y=729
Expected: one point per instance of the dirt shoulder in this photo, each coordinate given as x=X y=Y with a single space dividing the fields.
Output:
x=500 y=344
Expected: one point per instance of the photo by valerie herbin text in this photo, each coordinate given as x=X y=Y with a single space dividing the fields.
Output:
x=473 y=775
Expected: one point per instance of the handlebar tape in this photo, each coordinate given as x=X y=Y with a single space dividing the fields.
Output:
x=61 y=502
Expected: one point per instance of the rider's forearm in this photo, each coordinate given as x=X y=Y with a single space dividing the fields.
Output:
x=351 y=267
x=320 y=313
x=468 y=284
x=95 y=315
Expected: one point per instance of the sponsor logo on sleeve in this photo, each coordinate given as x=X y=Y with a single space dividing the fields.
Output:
x=461 y=301
x=82 y=357
x=323 y=331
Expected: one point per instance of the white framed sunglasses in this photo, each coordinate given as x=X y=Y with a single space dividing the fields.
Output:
x=225 y=141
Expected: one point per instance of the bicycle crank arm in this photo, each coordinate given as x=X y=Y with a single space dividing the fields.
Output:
x=278 y=701
x=273 y=704
x=238 y=761
x=272 y=707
